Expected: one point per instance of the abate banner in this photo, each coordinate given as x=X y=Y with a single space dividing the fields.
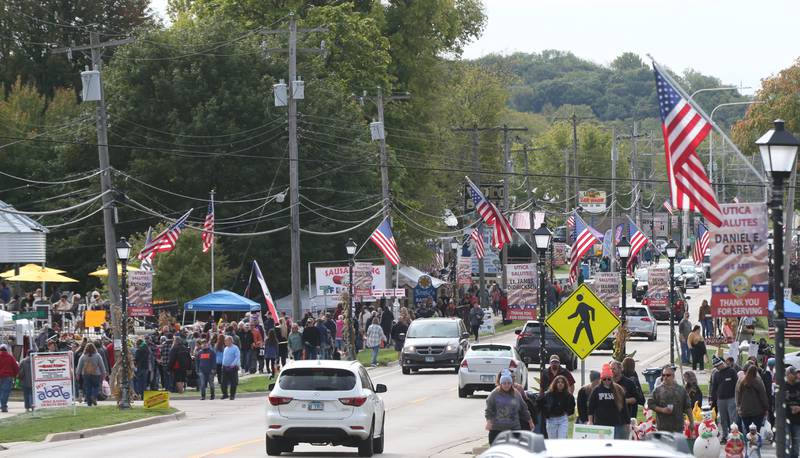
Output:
x=739 y=273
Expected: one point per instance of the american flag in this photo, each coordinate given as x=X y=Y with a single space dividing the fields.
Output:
x=264 y=290
x=736 y=199
x=701 y=244
x=438 y=255
x=792 y=330
x=382 y=236
x=147 y=262
x=684 y=128
x=477 y=238
x=669 y=207
x=636 y=237
x=166 y=240
x=585 y=239
x=208 y=228
x=491 y=215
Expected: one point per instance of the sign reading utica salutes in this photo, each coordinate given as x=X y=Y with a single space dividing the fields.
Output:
x=739 y=272
x=521 y=285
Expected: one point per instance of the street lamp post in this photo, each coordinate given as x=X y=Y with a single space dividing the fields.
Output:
x=348 y=335
x=624 y=252
x=672 y=252
x=778 y=150
x=770 y=242
x=123 y=251
x=542 y=238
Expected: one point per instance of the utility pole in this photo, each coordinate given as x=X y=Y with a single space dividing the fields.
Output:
x=529 y=192
x=296 y=90
x=635 y=185
x=379 y=133
x=507 y=168
x=614 y=154
x=575 y=168
x=96 y=47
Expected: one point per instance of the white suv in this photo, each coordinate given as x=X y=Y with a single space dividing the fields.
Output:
x=325 y=402
x=641 y=322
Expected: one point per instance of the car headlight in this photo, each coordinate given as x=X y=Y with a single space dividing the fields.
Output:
x=450 y=348
x=410 y=349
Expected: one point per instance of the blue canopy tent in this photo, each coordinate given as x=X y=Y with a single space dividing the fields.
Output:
x=220 y=301
x=790 y=309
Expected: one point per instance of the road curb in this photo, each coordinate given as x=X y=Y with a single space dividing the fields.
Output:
x=85 y=433
x=218 y=398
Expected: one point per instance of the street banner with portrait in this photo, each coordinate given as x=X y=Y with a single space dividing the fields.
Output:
x=491 y=256
x=658 y=286
x=53 y=380
x=523 y=292
x=362 y=279
x=739 y=271
x=140 y=293
x=335 y=280
x=559 y=254
x=464 y=271
x=606 y=287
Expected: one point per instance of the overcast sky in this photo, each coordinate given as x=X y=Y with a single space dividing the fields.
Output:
x=739 y=41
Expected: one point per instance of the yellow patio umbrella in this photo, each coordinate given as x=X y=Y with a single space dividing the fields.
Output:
x=104 y=271
x=41 y=276
x=30 y=268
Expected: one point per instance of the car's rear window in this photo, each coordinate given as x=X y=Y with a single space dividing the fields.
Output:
x=687 y=268
x=490 y=350
x=423 y=328
x=636 y=311
x=317 y=379
x=641 y=274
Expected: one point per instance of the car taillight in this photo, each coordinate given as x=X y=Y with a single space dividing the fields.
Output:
x=512 y=365
x=646 y=301
x=355 y=402
x=647 y=318
x=464 y=364
x=279 y=400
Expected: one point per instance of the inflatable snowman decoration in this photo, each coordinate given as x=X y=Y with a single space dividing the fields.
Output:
x=707 y=443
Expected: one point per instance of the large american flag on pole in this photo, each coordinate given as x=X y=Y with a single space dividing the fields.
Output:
x=684 y=128
x=208 y=228
x=668 y=206
x=477 y=242
x=491 y=215
x=382 y=237
x=637 y=238
x=147 y=261
x=584 y=240
x=701 y=244
x=166 y=240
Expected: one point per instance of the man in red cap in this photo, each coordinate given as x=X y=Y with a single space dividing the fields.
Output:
x=8 y=372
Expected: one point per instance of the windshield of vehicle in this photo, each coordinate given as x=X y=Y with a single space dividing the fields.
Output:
x=706 y=258
x=423 y=328
x=490 y=350
x=678 y=270
x=636 y=311
x=641 y=274
x=317 y=379
x=688 y=269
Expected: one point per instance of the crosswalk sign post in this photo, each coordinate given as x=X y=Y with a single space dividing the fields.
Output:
x=582 y=321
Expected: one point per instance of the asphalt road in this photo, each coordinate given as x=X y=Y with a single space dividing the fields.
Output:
x=425 y=417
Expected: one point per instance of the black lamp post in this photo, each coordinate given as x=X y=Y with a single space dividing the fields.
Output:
x=624 y=252
x=770 y=242
x=349 y=337
x=123 y=251
x=672 y=252
x=778 y=150
x=541 y=238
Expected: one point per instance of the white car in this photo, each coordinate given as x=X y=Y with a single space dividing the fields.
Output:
x=325 y=402
x=792 y=359
x=525 y=444
x=641 y=322
x=700 y=271
x=483 y=362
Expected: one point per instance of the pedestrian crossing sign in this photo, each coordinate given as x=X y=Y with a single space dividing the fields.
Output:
x=582 y=321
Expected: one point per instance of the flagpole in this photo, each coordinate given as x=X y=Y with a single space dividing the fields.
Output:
x=722 y=133
x=213 y=243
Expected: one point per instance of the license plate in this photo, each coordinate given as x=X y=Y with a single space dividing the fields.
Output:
x=315 y=405
x=429 y=359
x=487 y=378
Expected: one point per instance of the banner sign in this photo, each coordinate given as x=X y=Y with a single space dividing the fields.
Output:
x=592 y=201
x=580 y=431
x=523 y=293
x=53 y=380
x=140 y=293
x=399 y=292
x=658 y=286
x=559 y=253
x=492 y=191
x=36 y=314
x=659 y=223
x=606 y=287
x=424 y=290
x=491 y=257
x=156 y=400
x=739 y=273
x=464 y=271
x=334 y=280
x=362 y=279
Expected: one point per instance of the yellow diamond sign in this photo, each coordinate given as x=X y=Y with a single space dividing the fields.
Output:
x=582 y=321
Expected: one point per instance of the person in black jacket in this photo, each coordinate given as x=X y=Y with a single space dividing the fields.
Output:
x=311 y=340
x=206 y=364
x=142 y=361
x=723 y=393
x=607 y=404
x=583 y=397
x=559 y=405
x=179 y=362
x=387 y=317
x=633 y=395
x=629 y=372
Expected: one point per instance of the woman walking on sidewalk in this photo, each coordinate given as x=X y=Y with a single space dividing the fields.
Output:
x=505 y=408
x=559 y=405
x=91 y=370
x=751 y=399
x=697 y=345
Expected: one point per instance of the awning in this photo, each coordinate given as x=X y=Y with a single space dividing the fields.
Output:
x=41 y=275
x=222 y=301
x=29 y=268
x=104 y=271
x=790 y=309
x=522 y=220
x=410 y=275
